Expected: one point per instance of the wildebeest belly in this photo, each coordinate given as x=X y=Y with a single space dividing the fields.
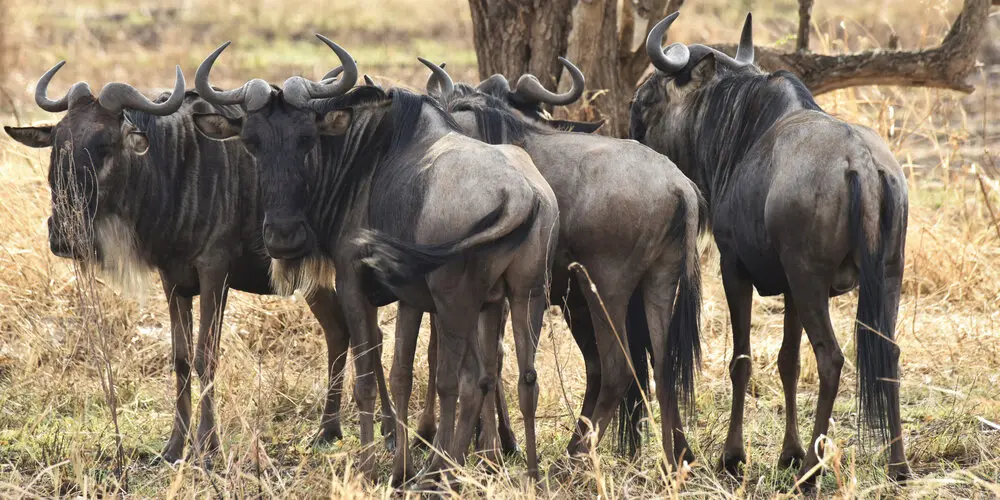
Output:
x=764 y=268
x=742 y=237
x=251 y=273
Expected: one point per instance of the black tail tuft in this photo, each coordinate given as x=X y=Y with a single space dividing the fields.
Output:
x=632 y=410
x=874 y=332
x=683 y=335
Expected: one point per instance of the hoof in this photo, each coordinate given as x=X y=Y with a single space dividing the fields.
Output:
x=328 y=435
x=791 y=459
x=174 y=452
x=425 y=435
x=513 y=451
x=733 y=462
x=900 y=473
x=402 y=475
x=390 y=441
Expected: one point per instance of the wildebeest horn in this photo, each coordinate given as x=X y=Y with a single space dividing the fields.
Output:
x=299 y=91
x=494 y=85
x=369 y=82
x=118 y=96
x=252 y=95
x=334 y=73
x=41 y=92
x=528 y=88
x=440 y=81
x=744 y=53
x=674 y=57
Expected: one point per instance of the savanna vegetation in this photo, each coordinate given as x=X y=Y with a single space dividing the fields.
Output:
x=86 y=388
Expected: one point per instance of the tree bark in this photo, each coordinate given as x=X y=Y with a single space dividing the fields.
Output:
x=805 y=25
x=514 y=37
x=946 y=66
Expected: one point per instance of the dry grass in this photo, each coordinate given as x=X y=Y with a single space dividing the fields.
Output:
x=57 y=434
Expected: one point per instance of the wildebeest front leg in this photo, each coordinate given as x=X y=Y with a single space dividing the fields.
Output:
x=792 y=453
x=427 y=425
x=326 y=307
x=362 y=323
x=739 y=295
x=180 y=335
x=811 y=298
x=407 y=330
x=214 y=292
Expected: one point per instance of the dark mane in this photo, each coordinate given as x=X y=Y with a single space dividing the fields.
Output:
x=732 y=114
x=374 y=152
x=496 y=121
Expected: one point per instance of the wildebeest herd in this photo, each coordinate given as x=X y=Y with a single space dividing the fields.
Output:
x=470 y=202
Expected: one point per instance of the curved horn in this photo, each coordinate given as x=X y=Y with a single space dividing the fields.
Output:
x=324 y=89
x=369 y=82
x=495 y=85
x=676 y=55
x=252 y=95
x=528 y=88
x=744 y=53
x=440 y=81
x=62 y=104
x=334 y=73
x=118 y=96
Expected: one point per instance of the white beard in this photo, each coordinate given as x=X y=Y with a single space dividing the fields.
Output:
x=305 y=275
x=120 y=263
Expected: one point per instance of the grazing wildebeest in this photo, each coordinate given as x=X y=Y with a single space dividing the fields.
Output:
x=631 y=218
x=801 y=204
x=405 y=208
x=135 y=188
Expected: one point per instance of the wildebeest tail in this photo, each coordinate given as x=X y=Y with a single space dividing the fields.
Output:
x=877 y=351
x=394 y=263
x=632 y=409
x=683 y=334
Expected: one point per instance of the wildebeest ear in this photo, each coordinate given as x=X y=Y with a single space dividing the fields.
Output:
x=334 y=122
x=574 y=126
x=703 y=72
x=33 y=137
x=137 y=142
x=218 y=127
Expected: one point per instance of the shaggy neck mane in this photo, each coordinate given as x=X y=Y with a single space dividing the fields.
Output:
x=496 y=122
x=350 y=169
x=732 y=115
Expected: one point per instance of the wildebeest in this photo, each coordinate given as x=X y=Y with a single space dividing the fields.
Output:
x=631 y=219
x=135 y=188
x=405 y=208
x=801 y=204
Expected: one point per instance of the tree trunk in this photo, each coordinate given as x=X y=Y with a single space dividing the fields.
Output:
x=514 y=37
x=594 y=48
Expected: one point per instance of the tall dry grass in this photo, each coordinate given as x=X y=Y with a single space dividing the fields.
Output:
x=64 y=334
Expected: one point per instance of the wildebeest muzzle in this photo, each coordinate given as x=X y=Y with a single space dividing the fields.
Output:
x=288 y=236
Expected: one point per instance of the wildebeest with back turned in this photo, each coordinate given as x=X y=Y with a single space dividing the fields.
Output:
x=631 y=219
x=135 y=188
x=381 y=185
x=801 y=204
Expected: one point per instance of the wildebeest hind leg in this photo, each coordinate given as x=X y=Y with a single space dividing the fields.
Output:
x=214 y=292
x=739 y=295
x=811 y=298
x=491 y=322
x=658 y=290
x=452 y=349
x=792 y=453
x=527 y=309
x=326 y=308
x=578 y=318
x=180 y=335
x=612 y=346
x=899 y=470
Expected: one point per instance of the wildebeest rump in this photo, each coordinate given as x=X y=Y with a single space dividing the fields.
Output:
x=801 y=204
x=631 y=218
x=406 y=208
x=136 y=188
